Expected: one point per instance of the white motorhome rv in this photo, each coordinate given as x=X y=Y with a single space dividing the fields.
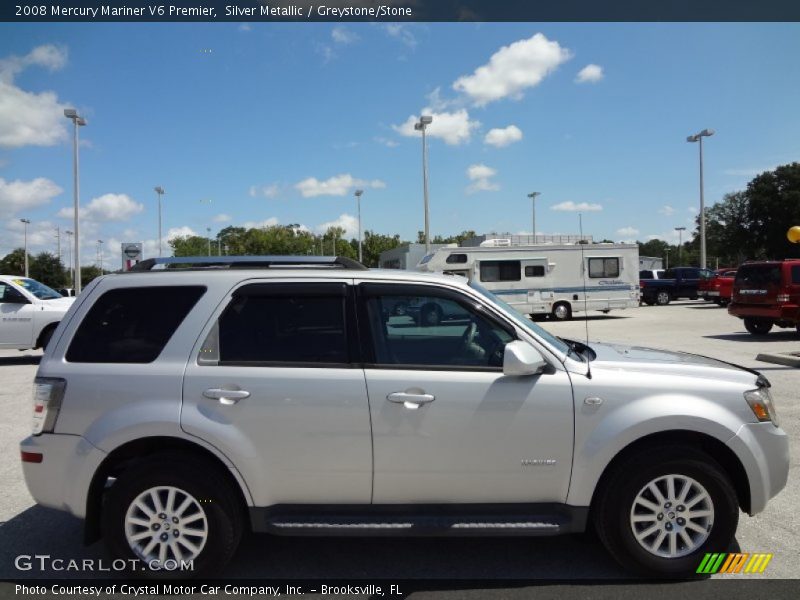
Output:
x=554 y=279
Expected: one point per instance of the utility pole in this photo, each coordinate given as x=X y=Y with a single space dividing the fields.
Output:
x=208 y=230
x=69 y=235
x=680 y=231
x=58 y=243
x=25 y=223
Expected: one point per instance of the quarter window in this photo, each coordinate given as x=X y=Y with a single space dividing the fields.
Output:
x=603 y=267
x=132 y=325
x=501 y=270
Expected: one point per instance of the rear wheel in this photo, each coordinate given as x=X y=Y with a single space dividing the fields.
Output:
x=663 y=298
x=661 y=517
x=757 y=326
x=168 y=509
x=562 y=311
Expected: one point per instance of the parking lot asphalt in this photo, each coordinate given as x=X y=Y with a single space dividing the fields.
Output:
x=687 y=326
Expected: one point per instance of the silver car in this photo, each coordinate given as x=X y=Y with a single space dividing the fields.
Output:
x=186 y=401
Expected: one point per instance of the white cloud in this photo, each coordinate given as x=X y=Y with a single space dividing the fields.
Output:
x=389 y=143
x=570 y=206
x=666 y=210
x=245 y=27
x=347 y=222
x=26 y=118
x=108 y=207
x=271 y=222
x=20 y=195
x=628 y=232
x=401 y=32
x=481 y=177
x=453 y=127
x=267 y=191
x=512 y=69
x=175 y=232
x=342 y=35
x=339 y=185
x=499 y=138
x=222 y=218
x=590 y=74
x=693 y=209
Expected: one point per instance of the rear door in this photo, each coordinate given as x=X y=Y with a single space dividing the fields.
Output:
x=276 y=384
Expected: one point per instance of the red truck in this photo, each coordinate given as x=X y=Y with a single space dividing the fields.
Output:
x=718 y=288
x=766 y=294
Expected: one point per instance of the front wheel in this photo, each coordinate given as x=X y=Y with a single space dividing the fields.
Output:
x=661 y=516
x=757 y=326
x=175 y=515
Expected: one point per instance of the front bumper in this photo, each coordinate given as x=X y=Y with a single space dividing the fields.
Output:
x=764 y=452
x=61 y=480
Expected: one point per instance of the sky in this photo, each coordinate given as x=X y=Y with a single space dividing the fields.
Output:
x=265 y=123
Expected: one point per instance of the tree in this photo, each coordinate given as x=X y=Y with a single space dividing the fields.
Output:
x=190 y=245
x=88 y=274
x=14 y=262
x=375 y=243
x=47 y=268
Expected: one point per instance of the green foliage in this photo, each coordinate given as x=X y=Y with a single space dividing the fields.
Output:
x=89 y=273
x=47 y=268
x=13 y=263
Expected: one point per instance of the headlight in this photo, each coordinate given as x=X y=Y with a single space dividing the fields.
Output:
x=760 y=401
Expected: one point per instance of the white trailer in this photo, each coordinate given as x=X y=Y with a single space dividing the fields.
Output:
x=554 y=279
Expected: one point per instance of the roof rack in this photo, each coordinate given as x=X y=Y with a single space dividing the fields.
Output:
x=249 y=262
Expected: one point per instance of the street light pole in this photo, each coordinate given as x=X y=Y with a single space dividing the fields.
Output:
x=77 y=121
x=160 y=191
x=25 y=223
x=698 y=137
x=680 y=231
x=423 y=122
x=69 y=257
x=100 y=254
x=532 y=196
x=208 y=231
x=358 y=194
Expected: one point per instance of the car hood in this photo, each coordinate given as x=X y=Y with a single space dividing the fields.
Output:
x=58 y=303
x=653 y=360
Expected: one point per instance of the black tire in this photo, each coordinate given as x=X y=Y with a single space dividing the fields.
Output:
x=663 y=298
x=430 y=315
x=45 y=336
x=757 y=326
x=611 y=511
x=649 y=302
x=562 y=311
x=221 y=505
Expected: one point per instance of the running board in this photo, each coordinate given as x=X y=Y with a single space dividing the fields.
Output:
x=423 y=520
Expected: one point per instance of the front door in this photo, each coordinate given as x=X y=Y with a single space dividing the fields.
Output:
x=275 y=387
x=448 y=426
x=16 y=317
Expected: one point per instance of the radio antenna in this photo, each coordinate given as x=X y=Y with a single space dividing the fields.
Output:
x=581 y=243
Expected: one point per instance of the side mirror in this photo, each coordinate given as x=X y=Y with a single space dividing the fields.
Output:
x=520 y=358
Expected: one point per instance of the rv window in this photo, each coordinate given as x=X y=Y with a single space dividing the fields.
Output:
x=456 y=259
x=534 y=271
x=501 y=270
x=603 y=267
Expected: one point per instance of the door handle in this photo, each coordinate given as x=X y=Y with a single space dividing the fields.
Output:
x=226 y=397
x=410 y=400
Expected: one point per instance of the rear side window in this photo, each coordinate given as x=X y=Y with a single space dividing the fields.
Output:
x=501 y=270
x=796 y=274
x=456 y=259
x=132 y=325
x=298 y=325
x=603 y=267
x=534 y=271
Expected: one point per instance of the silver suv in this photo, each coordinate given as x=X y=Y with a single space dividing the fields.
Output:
x=187 y=401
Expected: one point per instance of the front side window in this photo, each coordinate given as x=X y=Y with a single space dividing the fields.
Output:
x=433 y=332
x=132 y=325
x=293 y=328
x=500 y=270
x=603 y=267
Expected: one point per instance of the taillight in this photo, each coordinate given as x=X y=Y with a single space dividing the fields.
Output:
x=783 y=297
x=48 y=392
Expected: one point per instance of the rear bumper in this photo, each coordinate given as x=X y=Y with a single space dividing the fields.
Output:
x=61 y=480
x=783 y=312
x=763 y=450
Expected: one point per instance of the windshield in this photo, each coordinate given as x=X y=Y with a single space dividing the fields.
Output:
x=40 y=290
x=521 y=320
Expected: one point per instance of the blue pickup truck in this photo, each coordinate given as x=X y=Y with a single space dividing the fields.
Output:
x=678 y=282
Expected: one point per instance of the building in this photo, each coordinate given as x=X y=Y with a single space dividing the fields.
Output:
x=405 y=257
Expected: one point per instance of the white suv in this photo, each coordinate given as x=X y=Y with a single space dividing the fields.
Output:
x=29 y=312
x=177 y=407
